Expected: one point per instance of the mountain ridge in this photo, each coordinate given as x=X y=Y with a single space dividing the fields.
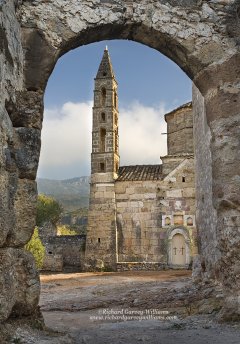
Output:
x=72 y=193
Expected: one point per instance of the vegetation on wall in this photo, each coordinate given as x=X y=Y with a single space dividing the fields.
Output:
x=65 y=230
x=48 y=210
x=36 y=247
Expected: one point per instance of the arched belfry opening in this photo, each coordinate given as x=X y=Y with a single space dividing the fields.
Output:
x=103 y=117
x=103 y=96
x=102 y=140
x=115 y=99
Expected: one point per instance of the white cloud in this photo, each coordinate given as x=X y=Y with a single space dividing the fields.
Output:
x=66 y=141
x=140 y=130
x=66 y=138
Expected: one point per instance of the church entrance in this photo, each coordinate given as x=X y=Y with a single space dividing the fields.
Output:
x=178 y=250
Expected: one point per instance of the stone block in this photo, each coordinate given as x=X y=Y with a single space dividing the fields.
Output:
x=130 y=190
x=135 y=197
x=174 y=193
x=27 y=110
x=109 y=194
x=188 y=192
x=122 y=204
x=7 y=220
x=99 y=194
x=27 y=149
x=150 y=195
x=121 y=197
x=25 y=202
x=133 y=204
x=19 y=283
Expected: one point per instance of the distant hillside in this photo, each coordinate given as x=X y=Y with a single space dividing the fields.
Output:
x=71 y=193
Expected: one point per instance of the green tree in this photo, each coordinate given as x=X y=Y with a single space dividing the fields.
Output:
x=36 y=247
x=48 y=210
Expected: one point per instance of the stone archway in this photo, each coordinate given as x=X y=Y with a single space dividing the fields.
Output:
x=202 y=38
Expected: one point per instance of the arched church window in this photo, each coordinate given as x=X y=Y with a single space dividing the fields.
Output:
x=102 y=140
x=103 y=96
x=178 y=219
x=189 y=221
x=167 y=221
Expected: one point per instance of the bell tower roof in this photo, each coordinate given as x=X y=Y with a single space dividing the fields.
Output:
x=105 y=69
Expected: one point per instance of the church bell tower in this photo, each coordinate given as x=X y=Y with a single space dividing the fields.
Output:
x=101 y=247
x=105 y=150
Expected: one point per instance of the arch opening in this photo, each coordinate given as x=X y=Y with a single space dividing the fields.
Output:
x=103 y=140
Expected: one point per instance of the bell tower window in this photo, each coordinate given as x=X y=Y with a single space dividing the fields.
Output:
x=102 y=167
x=103 y=117
x=115 y=98
x=116 y=141
x=103 y=96
x=102 y=140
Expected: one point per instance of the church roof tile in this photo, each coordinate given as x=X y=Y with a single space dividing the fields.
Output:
x=140 y=172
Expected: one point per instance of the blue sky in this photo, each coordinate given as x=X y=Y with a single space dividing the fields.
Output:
x=149 y=85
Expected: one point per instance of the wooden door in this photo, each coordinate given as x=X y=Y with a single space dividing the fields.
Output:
x=178 y=250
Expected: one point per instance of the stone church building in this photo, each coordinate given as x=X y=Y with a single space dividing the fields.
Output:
x=140 y=217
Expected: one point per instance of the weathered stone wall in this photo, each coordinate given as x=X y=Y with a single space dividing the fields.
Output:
x=206 y=216
x=218 y=188
x=143 y=207
x=180 y=130
x=202 y=37
x=64 y=251
x=176 y=202
x=52 y=261
x=142 y=266
x=179 y=137
x=101 y=230
x=138 y=222
x=19 y=281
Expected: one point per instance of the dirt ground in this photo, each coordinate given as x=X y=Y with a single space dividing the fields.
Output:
x=102 y=308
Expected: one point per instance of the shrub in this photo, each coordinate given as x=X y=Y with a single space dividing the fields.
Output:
x=36 y=247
